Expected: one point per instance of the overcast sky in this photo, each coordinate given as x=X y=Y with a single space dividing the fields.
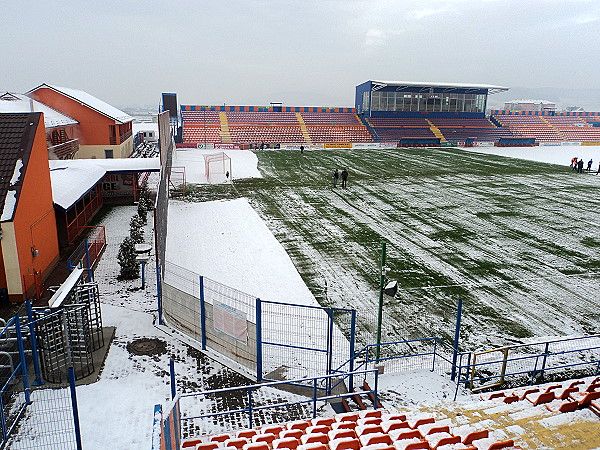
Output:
x=301 y=52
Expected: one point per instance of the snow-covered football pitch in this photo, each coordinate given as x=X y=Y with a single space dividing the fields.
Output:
x=517 y=239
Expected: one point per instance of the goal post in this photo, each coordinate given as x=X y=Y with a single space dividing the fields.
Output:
x=217 y=167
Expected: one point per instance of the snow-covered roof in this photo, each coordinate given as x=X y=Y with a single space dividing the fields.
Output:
x=144 y=126
x=493 y=89
x=128 y=164
x=70 y=182
x=19 y=103
x=89 y=101
x=73 y=178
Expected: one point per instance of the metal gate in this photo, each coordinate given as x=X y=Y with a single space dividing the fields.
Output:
x=63 y=341
x=301 y=341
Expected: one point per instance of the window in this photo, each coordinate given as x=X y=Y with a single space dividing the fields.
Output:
x=108 y=153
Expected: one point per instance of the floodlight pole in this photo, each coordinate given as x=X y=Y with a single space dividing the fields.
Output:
x=380 y=310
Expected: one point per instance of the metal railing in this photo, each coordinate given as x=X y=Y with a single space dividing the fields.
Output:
x=65 y=149
x=250 y=407
x=429 y=353
x=529 y=363
x=88 y=252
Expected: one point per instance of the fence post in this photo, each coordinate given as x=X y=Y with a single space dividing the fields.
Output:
x=3 y=420
x=456 y=337
x=34 y=353
x=544 y=360
x=23 y=360
x=202 y=314
x=88 y=261
x=352 y=343
x=155 y=426
x=250 y=418
x=314 y=398
x=159 y=294
x=376 y=389
x=172 y=372
x=258 y=340
x=71 y=374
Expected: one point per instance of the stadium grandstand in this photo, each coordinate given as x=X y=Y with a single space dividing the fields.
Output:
x=403 y=113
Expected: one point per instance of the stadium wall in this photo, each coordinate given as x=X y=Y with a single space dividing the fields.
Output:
x=300 y=109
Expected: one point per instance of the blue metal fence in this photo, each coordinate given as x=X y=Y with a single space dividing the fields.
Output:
x=529 y=363
x=224 y=410
x=44 y=418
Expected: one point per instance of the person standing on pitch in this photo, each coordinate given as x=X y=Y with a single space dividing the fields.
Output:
x=336 y=175
x=589 y=166
x=580 y=166
x=344 y=177
x=302 y=149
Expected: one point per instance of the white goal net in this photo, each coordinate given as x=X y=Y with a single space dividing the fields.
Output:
x=217 y=167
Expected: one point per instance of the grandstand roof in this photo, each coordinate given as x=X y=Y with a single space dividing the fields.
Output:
x=533 y=102
x=19 y=103
x=492 y=89
x=90 y=101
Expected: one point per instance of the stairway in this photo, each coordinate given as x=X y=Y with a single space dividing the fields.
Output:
x=435 y=130
x=563 y=137
x=303 y=128
x=225 y=135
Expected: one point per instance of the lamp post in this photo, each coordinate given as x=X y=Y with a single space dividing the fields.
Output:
x=143 y=254
x=388 y=289
x=382 y=274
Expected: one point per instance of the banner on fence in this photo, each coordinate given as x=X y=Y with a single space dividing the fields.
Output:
x=227 y=146
x=337 y=145
x=206 y=146
x=230 y=321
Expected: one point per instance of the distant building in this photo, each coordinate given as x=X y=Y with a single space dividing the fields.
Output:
x=574 y=109
x=530 y=105
x=104 y=131
x=62 y=131
x=28 y=239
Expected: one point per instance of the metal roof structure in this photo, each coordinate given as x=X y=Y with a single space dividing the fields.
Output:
x=492 y=89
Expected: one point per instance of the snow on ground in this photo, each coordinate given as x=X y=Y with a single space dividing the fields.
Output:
x=117 y=411
x=552 y=154
x=244 y=164
x=228 y=242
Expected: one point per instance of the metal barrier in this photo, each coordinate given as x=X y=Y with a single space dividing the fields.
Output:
x=311 y=348
x=52 y=421
x=32 y=417
x=431 y=353
x=87 y=253
x=529 y=363
x=224 y=410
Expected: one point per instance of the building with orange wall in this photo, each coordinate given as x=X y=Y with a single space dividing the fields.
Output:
x=104 y=131
x=61 y=130
x=28 y=241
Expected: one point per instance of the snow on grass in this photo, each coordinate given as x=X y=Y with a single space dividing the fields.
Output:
x=243 y=164
x=551 y=154
x=229 y=243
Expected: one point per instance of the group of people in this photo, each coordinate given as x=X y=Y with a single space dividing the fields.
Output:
x=577 y=165
x=336 y=176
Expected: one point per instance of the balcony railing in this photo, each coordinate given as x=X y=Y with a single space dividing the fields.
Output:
x=66 y=149
x=122 y=138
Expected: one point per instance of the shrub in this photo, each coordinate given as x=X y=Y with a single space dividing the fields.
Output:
x=136 y=230
x=130 y=269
